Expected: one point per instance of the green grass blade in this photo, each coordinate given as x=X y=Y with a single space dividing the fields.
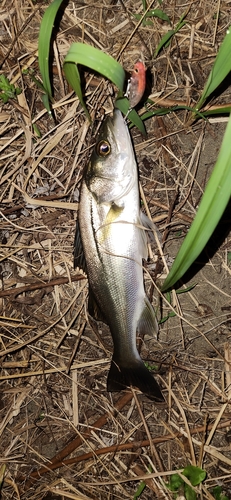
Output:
x=153 y=13
x=218 y=111
x=220 y=69
x=158 y=13
x=95 y=59
x=86 y=55
x=164 y=111
x=212 y=206
x=139 y=490
x=165 y=40
x=156 y=112
x=44 y=42
x=73 y=77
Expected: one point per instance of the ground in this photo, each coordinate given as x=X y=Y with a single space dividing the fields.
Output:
x=62 y=434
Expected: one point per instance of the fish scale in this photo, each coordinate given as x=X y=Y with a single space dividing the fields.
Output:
x=111 y=236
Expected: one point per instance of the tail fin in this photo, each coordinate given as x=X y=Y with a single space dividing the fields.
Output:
x=136 y=375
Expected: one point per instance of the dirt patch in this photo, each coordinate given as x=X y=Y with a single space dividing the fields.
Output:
x=62 y=434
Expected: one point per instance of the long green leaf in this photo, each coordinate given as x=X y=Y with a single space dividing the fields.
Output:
x=44 y=41
x=158 y=13
x=217 y=111
x=73 y=77
x=153 y=13
x=86 y=55
x=165 y=40
x=220 y=69
x=212 y=206
x=95 y=59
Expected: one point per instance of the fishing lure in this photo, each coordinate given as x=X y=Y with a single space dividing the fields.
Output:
x=136 y=84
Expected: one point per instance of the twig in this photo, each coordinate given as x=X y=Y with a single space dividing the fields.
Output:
x=38 y=285
x=58 y=461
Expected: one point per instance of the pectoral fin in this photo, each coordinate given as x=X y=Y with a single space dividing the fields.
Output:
x=112 y=217
x=150 y=226
x=145 y=233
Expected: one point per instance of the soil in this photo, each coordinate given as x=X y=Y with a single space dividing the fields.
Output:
x=62 y=434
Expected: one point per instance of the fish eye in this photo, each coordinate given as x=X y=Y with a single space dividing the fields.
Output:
x=103 y=148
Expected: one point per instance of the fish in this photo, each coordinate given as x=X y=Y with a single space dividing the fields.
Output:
x=136 y=84
x=110 y=245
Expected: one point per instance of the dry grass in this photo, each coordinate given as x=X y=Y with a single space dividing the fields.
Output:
x=62 y=435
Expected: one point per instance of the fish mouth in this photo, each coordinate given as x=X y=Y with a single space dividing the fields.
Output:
x=117 y=119
x=118 y=128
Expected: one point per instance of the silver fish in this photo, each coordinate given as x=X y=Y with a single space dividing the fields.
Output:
x=110 y=245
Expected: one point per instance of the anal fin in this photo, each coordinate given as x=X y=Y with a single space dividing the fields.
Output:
x=147 y=323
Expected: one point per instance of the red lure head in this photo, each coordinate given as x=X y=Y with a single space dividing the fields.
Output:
x=136 y=84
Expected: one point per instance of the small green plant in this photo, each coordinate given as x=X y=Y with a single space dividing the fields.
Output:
x=166 y=39
x=177 y=484
x=7 y=90
x=217 y=492
x=151 y=13
x=150 y=367
x=139 y=490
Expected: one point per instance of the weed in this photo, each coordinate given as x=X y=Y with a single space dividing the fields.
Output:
x=177 y=484
x=218 y=494
x=7 y=90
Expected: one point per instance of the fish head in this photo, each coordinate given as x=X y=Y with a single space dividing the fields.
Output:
x=112 y=170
